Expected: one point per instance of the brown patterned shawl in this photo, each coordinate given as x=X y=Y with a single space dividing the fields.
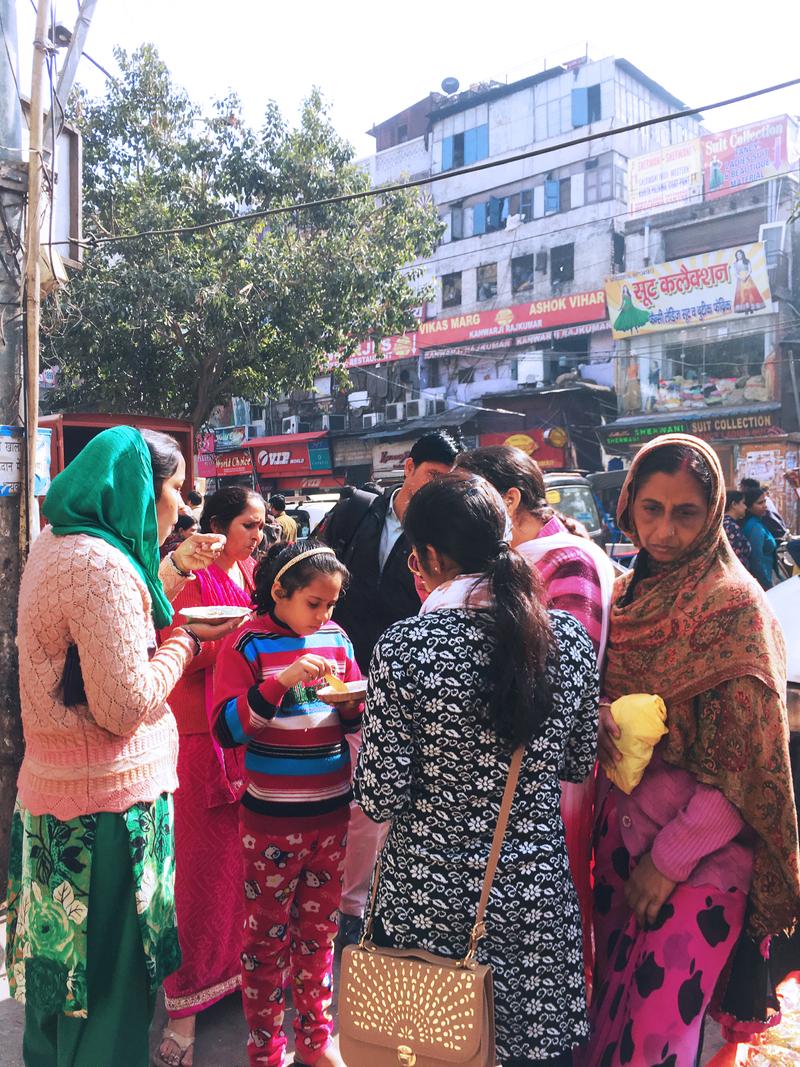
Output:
x=696 y=623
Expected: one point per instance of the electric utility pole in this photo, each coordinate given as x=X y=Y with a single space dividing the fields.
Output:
x=13 y=187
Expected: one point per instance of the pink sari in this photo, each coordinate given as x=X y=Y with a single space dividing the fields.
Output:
x=208 y=863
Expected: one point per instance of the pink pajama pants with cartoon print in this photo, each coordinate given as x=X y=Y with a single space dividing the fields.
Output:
x=293 y=883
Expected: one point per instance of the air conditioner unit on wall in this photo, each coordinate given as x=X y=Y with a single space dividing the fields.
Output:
x=415 y=409
x=369 y=422
x=395 y=412
x=334 y=422
x=290 y=425
x=437 y=405
x=257 y=429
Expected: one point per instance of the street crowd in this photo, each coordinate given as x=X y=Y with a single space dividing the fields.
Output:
x=195 y=809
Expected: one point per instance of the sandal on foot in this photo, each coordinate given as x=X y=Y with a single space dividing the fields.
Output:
x=183 y=1044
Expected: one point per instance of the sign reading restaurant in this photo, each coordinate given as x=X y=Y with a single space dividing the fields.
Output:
x=731 y=283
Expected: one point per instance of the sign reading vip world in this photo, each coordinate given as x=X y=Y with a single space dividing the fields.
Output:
x=305 y=453
x=521 y=318
x=727 y=284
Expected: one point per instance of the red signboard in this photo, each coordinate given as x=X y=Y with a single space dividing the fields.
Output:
x=230 y=464
x=743 y=156
x=547 y=447
x=521 y=318
x=401 y=346
x=224 y=464
x=291 y=455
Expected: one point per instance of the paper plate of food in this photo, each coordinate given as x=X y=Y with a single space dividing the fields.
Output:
x=338 y=692
x=215 y=613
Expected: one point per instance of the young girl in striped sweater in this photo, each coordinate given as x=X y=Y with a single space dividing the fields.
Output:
x=295 y=809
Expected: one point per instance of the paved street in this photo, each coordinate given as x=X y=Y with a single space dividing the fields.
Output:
x=221 y=1033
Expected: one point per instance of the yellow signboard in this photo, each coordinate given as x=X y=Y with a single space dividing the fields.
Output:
x=731 y=283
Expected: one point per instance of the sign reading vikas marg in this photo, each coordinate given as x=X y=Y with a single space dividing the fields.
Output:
x=518 y=319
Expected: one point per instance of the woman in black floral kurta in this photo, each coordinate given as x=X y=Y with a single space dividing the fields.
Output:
x=433 y=763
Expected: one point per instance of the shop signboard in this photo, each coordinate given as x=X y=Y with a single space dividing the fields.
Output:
x=387 y=350
x=206 y=467
x=531 y=317
x=724 y=285
x=389 y=457
x=719 y=428
x=228 y=438
x=744 y=156
x=668 y=176
x=206 y=442
x=233 y=464
x=546 y=446
x=12 y=445
x=292 y=455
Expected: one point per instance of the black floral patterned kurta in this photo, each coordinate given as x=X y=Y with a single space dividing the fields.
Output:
x=430 y=763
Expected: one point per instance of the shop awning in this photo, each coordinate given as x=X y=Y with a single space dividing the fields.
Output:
x=285 y=439
x=455 y=418
x=665 y=420
x=745 y=420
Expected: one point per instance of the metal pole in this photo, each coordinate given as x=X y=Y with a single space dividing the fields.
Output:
x=32 y=261
x=13 y=182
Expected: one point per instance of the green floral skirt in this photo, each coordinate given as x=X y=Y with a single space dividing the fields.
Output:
x=50 y=874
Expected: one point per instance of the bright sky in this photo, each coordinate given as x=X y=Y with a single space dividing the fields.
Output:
x=373 y=59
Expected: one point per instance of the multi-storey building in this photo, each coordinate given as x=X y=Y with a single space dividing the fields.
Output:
x=705 y=316
x=523 y=336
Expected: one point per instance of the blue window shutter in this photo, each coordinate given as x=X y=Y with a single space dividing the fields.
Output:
x=479 y=218
x=580 y=107
x=469 y=147
x=495 y=207
x=552 y=199
x=482 y=141
x=447 y=153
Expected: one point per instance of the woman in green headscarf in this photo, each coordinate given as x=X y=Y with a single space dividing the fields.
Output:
x=91 y=927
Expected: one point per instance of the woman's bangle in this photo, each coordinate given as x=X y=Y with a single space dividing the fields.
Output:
x=183 y=574
x=198 y=647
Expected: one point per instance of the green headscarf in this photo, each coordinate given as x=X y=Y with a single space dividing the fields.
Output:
x=107 y=491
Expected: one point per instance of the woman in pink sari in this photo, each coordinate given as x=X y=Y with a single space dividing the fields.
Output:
x=208 y=873
x=578 y=577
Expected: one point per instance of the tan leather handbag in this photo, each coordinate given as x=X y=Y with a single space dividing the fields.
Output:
x=408 y=1007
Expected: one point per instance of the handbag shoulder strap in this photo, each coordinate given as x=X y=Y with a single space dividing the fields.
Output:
x=479 y=928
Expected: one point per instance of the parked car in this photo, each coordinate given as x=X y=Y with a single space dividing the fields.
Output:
x=308 y=514
x=570 y=493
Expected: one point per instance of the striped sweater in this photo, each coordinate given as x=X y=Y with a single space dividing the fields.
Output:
x=297 y=758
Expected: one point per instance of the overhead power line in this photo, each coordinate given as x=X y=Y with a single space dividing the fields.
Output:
x=415 y=183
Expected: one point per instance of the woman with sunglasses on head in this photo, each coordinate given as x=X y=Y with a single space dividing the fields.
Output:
x=696 y=867
x=484 y=668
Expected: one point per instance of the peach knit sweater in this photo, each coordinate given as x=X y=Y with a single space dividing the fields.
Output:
x=122 y=747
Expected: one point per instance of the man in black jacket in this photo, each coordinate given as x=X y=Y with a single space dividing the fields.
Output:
x=367 y=533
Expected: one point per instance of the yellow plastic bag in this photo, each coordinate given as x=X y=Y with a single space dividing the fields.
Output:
x=641 y=718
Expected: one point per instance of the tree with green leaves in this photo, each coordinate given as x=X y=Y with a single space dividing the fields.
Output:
x=176 y=324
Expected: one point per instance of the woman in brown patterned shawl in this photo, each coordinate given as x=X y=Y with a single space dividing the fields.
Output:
x=697 y=868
